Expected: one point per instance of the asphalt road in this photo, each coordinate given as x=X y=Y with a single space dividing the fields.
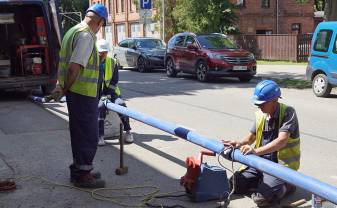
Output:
x=36 y=142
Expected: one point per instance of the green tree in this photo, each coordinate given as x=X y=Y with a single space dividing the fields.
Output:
x=72 y=6
x=205 y=16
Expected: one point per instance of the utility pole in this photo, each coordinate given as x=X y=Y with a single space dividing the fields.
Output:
x=277 y=17
x=163 y=19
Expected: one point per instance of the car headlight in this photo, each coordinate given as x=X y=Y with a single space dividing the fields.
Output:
x=215 y=56
x=251 y=56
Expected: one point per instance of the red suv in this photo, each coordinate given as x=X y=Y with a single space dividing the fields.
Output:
x=210 y=55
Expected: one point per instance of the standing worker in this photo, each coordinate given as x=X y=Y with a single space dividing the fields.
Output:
x=277 y=138
x=109 y=67
x=79 y=80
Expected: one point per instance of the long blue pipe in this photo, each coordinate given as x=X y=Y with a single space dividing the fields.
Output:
x=308 y=183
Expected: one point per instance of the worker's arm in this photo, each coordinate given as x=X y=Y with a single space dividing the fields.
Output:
x=275 y=145
x=72 y=73
x=247 y=140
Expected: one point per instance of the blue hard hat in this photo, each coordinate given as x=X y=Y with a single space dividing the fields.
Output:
x=100 y=10
x=266 y=90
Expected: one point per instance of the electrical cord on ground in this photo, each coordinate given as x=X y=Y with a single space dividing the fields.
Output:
x=230 y=170
x=97 y=193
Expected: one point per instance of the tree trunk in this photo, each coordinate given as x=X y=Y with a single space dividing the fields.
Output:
x=330 y=10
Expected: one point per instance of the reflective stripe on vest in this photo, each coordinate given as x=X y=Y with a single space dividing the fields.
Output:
x=108 y=73
x=289 y=155
x=87 y=79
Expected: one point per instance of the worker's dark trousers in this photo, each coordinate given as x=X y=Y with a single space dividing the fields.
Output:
x=83 y=115
x=251 y=180
x=102 y=115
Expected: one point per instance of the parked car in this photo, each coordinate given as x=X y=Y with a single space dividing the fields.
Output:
x=208 y=55
x=30 y=41
x=322 y=65
x=141 y=53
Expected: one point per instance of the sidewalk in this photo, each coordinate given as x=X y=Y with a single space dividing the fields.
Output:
x=296 y=72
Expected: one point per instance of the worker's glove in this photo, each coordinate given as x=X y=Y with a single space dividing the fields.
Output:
x=57 y=93
x=119 y=101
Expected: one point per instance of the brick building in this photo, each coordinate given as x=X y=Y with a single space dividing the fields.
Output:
x=124 y=21
x=275 y=16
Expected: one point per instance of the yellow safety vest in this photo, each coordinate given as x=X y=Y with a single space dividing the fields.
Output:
x=108 y=72
x=289 y=155
x=87 y=79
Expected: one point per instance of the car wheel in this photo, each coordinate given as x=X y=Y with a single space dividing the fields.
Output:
x=201 y=71
x=141 y=65
x=245 y=78
x=321 y=86
x=170 y=68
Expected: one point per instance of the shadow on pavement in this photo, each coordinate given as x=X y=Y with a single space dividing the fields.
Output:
x=44 y=151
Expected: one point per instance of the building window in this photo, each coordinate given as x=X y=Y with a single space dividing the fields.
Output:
x=118 y=3
x=241 y=3
x=122 y=6
x=120 y=32
x=264 y=32
x=265 y=3
x=110 y=6
x=135 y=30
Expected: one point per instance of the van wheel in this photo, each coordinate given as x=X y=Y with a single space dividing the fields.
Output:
x=141 y=65
x=321 y=86
x=201 y=71
x=245 y=78
x=47 y=89
x=170 y=68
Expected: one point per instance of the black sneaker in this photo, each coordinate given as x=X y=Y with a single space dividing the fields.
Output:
x=88 y=181
x=260 y=201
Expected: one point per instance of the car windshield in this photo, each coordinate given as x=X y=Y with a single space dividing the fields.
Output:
x=216 y=42
x=150 y=43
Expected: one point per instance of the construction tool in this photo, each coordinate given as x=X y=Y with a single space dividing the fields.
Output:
x=122 y=169
x=203 y=182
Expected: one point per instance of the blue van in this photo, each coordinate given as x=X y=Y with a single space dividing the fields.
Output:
x=322 y=67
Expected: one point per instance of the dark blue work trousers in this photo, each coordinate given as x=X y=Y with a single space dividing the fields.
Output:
x=251 y=180
x=83 y=115
x=102 y=110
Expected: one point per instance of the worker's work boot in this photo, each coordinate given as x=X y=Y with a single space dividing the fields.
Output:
x=128 y=137
x=95 y=175
x=75 y=173
x=88 y=181
x=261 y=201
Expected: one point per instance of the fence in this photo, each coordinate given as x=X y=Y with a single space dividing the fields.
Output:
x=276 y=47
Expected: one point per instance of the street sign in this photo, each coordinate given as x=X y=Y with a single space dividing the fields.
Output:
x=145 y=16
x=145 y=4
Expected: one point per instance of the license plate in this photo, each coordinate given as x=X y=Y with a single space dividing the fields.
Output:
x=239 y=68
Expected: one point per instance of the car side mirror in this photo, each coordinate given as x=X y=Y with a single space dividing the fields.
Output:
x=192 y=47
x=134 y=47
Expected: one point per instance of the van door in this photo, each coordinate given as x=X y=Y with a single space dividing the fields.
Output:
x=333 y=60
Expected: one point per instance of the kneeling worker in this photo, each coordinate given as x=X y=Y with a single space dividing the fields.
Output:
x=109 y=71
x=277 y=138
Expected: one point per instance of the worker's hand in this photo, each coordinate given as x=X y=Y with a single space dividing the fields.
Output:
x=119 y=101
x=247 y=149
x=233 y=143
x=57 y=93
